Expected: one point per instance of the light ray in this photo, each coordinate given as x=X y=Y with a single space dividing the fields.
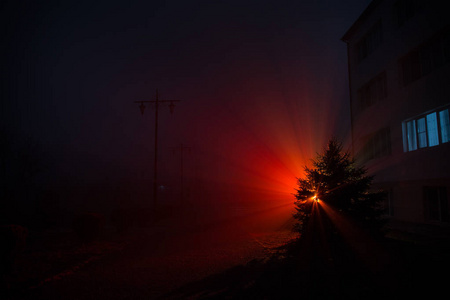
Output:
x=361 y=243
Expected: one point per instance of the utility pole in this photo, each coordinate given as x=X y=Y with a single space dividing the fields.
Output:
x=181 y=148
x=156 y=102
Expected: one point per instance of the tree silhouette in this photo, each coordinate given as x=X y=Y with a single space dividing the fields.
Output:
x=336 y=180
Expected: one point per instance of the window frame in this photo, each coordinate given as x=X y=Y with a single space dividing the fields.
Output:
x=404 y=10
x=373 y=91
x=425 y=58
x=435 y=208
x=370 y=41
x=410 y=126
x=376 y=145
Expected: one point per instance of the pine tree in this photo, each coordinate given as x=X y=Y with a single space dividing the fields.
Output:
x=336 y=180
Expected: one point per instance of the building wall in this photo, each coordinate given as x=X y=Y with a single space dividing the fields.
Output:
x=405 y=174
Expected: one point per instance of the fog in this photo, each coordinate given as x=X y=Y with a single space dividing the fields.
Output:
x=262 y=86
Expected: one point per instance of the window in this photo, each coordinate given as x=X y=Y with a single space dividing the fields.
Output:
x=426 y=130
x=373 y=91
x=370 y=41
x=376 y=145
x=425 y=58
x=432 y=130
x=411 y=135
x=445 y=125
x=421 y=133
x=435 y=203
x=405 y=10
x=427 y=135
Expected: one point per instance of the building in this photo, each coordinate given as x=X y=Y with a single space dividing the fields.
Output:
x=399 y=78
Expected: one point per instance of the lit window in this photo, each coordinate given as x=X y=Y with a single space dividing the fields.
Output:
x=427 y=130
x=445 y=125
x=432 y=129
x=411 y=135
x=421 y=133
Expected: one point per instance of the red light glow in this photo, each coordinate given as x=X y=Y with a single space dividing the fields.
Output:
x=251 y=144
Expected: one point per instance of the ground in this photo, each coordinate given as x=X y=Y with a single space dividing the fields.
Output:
x=144 y=262
x=222 y=261
x=333 y=261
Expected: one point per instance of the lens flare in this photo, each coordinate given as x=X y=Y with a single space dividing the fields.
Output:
x=315 y=198
x=251 y=144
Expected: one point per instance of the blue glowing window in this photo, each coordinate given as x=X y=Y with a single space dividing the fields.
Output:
x=421 y=133
x=445 y=126
x=411 y=135
x=426 y=130
x=432 y=130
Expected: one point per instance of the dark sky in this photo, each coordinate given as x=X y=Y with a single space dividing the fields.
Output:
x=262 y=85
